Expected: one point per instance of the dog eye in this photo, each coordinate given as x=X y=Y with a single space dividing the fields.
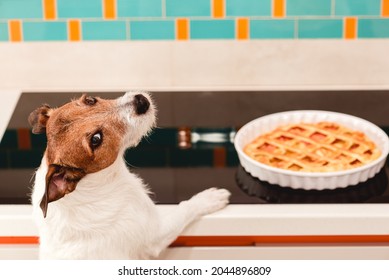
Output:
x=89 y=100
x=96 y=140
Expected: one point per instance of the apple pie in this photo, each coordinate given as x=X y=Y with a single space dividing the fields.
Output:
x=313 y=147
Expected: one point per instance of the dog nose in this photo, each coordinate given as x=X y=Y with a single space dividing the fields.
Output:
x=141 y=104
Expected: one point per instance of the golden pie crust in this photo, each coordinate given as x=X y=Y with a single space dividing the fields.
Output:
x=313 y=147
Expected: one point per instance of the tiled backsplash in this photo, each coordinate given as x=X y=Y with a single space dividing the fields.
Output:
x=74 y=20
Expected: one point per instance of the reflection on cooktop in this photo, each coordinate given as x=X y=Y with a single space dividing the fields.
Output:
x=371 y=191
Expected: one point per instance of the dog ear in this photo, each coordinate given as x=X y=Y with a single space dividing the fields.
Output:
x=38 y=119
x=59 y=181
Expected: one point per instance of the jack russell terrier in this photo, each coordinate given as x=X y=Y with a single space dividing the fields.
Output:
x=86 y=203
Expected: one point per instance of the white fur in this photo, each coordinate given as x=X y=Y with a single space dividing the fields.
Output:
x=110 y=215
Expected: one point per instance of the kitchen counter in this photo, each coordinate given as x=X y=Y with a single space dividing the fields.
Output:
x=247 y=231
x=251 y=220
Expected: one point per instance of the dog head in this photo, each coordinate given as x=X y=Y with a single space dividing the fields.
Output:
x=86 y=135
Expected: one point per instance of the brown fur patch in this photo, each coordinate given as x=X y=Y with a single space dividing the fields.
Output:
x=70 y=128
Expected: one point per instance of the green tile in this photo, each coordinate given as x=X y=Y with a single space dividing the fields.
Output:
x=26 y=159
x=104 y=30
x=212 y=29
x=9 y=140
x=139 y=8
x=248 y=7
x=3 y=159
x=191 y=157
x=38 y=140
x=20 y=9
x=44 y=31
x=308 y=7
x=187 y=8
x=3 y=32
x=232 y=156
x=311 y=29
x=152 y=30
x=160 y=137
x=79 y=9
x=146 y=157
x=272 y=29
x=373 y=28
x=357 y=7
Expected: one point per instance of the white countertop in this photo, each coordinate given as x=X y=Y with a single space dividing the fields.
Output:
x=251 y=220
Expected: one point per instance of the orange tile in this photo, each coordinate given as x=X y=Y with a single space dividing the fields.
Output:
x=278 y=8
x=50 y=9
x=15 y=30
x=24 y=139
x=189 y=240
x=182 y=28
x=350 y=28
x=236 y=240
x=109 y=9
x=242 y=29
x=385 y=8
x=32 y=240
x=74 y=30
x=219 y=157
x=218 y=10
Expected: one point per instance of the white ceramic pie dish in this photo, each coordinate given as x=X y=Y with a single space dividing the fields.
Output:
x=310 y=180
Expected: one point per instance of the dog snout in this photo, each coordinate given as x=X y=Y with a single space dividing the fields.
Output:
x=141 y=104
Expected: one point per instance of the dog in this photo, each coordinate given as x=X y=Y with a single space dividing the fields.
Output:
x=86 y=203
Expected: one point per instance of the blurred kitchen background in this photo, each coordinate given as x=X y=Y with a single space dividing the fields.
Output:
x=212 y=66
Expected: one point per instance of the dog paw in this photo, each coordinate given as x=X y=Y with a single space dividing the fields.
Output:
x=210 y=200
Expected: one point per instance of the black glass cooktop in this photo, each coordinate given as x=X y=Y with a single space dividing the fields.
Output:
x=374 y=190
x=193 y=150
x=246 y=189
x=170 y=186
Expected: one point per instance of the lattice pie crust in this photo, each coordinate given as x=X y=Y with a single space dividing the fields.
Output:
x=313 y=147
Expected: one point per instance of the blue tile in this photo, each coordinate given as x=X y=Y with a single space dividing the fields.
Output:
x=3 y=32
x=248 y=7
x=104 y=30
x=212 y=29
x=312 y=29
x=184 y=8
x=152 y=30
x=79 y=9
x=44 y=31
x=139 y=8
x=308 y=7
x=272 y=29
x=357 y=7
x=25 y=9
x=373 y=28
